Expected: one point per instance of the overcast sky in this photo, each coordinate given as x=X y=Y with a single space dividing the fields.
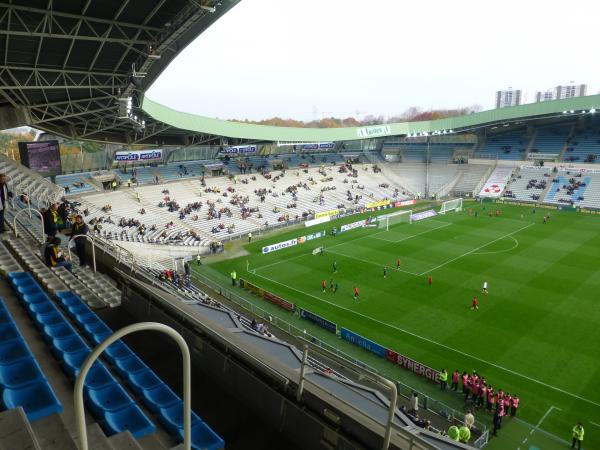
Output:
x=306 y=59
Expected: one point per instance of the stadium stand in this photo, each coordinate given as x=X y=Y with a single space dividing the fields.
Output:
x=75 y=183
x=551 y=139
x=584 y=145
x=528 y=184
x=505 y=146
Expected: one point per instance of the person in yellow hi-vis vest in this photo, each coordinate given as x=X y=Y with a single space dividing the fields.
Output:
x=233 y=277
x=577 y=435
x=443 y=379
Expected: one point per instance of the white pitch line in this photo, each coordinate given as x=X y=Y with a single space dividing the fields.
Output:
x=431 y=341
x=475 y=249
x=280 y=261
x=537 y=427
x=595 y=424
x=500 y=251
x=369 y=262
x=446 y=224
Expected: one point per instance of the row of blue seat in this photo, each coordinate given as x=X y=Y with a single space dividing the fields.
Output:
x=115 y=410
x=155 y=394
x=21 y=378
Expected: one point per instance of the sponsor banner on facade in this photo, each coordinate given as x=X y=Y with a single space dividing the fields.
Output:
x=423 y=215
x=374 y=131
x=377 y=204
x=310 y=237
x=353 y=225
x=278 y=301
x=320 y=321
x=331 y=212
x=412 y=365
x=279 y=246
x=138 y=155
x=310 y=223
x=240 y=149
x=319 y=146
x=365 y=343
x=405 y=203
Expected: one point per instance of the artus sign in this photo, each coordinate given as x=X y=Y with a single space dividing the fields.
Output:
x=139 y=155
x=374 y=131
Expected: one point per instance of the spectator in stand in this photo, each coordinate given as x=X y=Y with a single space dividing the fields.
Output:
x=51 y=221
x=80 y=229
x=54 y=257
x=5 y=194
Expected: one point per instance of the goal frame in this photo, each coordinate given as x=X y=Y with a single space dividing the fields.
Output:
x=385 y=219
x=457 y=208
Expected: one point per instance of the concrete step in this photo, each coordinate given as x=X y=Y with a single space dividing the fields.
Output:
x=52 y=434
x=124 y=441
x=16 y=431
x=154 y=442
x=97 y=440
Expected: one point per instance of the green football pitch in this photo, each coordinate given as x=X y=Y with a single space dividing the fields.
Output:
x=535 y=334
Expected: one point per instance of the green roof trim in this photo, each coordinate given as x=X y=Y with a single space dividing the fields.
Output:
x=201 y=124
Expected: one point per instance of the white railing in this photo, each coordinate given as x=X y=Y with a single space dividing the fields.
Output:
x=92 y=357
x=43 y=235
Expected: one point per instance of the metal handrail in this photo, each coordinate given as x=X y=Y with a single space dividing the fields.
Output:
x=91 y=239
x=29 y=210
x=92 y=357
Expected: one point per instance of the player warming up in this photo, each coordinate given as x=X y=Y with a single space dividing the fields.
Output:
x=335 y=267
x=398 y=264
x=430 y=280
x=324 y=285
x=356 y=293
x=485 y=288
x=384 y=271
x=475 y=305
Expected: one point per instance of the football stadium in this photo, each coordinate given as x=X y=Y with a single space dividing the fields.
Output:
x=170 y=280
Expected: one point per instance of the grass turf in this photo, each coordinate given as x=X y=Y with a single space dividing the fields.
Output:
x=534 y=334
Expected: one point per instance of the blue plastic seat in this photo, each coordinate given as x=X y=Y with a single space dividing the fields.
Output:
x=131 y=418
x=41 y=308
x=67 y=298
x=130 y=365
x=86 y=318
x=144 y=380
x=58 y=331
x=108 y=399
x=13 y=351
x=53 y=318
x=37 y=297
x=204 y=438
x=76 y=309
x=20 y=373
x=116 y=351
x=29 y=288
x=72 y=361
x=38 y=400
x=159 y=397
x=73 y=344
x=18 y=276
x=96 y=329
x=9 y=332
x=172 y=418
x=97 y=378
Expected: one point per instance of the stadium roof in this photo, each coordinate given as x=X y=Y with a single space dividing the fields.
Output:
x=68 y=67
x=562 y=108
x=64 y=64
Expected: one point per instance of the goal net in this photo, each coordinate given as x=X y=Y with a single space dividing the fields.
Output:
x=451 y=205
x=387 y=220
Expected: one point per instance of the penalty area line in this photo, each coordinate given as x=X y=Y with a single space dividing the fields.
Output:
x=439 y=344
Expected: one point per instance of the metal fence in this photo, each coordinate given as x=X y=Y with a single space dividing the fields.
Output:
x=426 y=401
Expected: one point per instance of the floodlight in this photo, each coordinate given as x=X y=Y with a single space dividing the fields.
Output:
x=592 y=111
